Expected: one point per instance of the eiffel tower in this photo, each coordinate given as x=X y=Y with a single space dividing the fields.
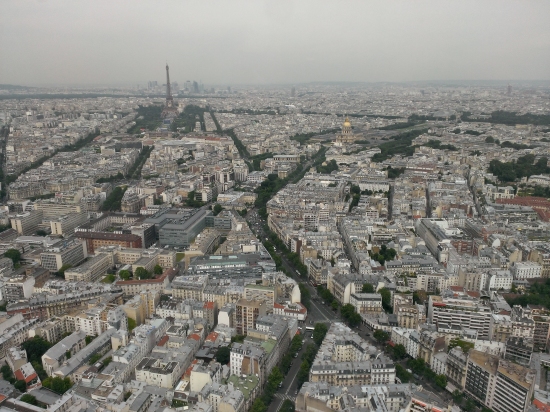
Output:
x=170 y=110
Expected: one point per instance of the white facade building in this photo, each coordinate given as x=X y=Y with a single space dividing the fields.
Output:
x=526 y=270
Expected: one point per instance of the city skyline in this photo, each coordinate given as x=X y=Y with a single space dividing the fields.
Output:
x=274 y=43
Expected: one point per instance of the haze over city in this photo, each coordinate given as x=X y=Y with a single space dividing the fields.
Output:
x=274 y=206
x=59 y=42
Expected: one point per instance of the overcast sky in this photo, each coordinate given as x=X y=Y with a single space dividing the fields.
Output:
x=263 y=42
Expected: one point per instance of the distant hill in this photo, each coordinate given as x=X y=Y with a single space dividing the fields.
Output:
x=12 y=87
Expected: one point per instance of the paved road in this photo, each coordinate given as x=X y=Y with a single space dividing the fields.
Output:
x=317 y=313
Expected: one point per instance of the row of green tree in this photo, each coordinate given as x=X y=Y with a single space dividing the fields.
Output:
x=511 y=118
x=436 y=144
x=276 y=376
x=243 y=151
x=418 y=118
x=421 y=369
x=112 y=178
x=395 y=172
x=303 y=138
x=525 y=166
x=401 y=144
x=538 y=294
x=187 y=119
x=397 y=126
x=273 y=184
x=327 y=297
x=257 y=160
x=267 y=189
x=355 y=192
x=508 y=144
x=114 y=200
x=541 y=191
x=269 y=111
x=458 y=130
x=135 y=170
x=385 y=293
x=275 y=242
x=148 y=118
x=79 y=144
x=350 y=315
x=515 y=146
x=319 y=333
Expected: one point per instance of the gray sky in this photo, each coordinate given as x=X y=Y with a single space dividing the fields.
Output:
x=279 y=41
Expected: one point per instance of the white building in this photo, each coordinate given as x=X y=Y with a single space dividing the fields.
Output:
x=500 y=280
x=409 y=338
x=158 y=372
x=526 y=270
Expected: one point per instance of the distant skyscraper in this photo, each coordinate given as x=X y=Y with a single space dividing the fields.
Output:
x=293 y=92
x=509 y=89
x=195 y=87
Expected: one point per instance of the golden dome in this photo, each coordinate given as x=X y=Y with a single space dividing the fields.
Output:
x=347 y=123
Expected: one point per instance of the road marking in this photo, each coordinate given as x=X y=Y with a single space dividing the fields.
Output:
x=284 y=397
x=291 y=382
x=319 y=310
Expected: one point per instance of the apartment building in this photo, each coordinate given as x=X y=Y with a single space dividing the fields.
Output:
x=189 y=287
x=246 y=313
x=180 y=232
x=91 y=270
x=95 y=240
x=26 y=223
x=52 y=210
x=63 y=350
x=267 y=294
x=248 y=359
x=368 y=303
x=51 y=330
x=526 y=270
x=18 y=287
x=64 y=252
x=469 y=313
x=96 y=320
x=499 y=384
x=65 y=225
x=350 y=360
x=410 y=316
x=157 y=372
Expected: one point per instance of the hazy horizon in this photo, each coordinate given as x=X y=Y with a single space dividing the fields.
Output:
x=108 y=44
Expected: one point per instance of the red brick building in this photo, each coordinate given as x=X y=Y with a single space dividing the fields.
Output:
x=98 y=239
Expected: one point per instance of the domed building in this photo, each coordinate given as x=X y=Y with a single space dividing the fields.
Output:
x=346 y=136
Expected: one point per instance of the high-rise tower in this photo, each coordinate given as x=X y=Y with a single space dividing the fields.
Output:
x=169 y=109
